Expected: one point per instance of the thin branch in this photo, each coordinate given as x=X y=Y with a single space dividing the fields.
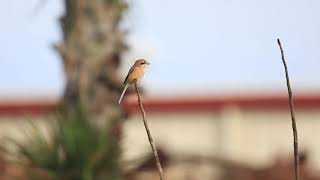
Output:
x=293 y=119
x=153 y=147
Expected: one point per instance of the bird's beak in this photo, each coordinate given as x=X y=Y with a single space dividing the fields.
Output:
x=147 y=63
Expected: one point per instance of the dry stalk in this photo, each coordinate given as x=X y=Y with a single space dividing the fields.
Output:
x=153 y=147
x=293 y=119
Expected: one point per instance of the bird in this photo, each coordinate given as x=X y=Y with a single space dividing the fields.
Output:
x=135 y=73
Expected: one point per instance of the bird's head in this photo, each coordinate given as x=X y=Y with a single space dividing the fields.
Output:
x=141 y=62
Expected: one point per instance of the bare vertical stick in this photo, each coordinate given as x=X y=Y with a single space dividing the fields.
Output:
x=153 y=147
x=293 y=119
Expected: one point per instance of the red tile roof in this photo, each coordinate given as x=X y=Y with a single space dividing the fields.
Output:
x=214 y=103
x=165 y=104
x=16 y=107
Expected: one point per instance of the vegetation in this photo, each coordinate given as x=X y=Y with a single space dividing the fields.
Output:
x=77 y=149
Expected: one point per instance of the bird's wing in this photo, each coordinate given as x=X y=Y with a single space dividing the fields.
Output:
x=130 y=71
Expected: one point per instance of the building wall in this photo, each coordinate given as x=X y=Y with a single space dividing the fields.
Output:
x=252 y=136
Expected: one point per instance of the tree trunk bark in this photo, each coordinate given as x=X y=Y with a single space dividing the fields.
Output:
x=91 y=52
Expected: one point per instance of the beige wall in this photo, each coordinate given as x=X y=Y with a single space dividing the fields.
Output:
x=246 y=135
x=16 y=126
x=253 y=136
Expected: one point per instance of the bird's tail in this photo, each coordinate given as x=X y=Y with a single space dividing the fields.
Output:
x=123 y=92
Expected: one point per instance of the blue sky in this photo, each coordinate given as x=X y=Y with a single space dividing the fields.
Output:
x=28 y=64
x=201 y=45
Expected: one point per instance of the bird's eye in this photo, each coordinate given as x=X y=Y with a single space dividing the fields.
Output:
x=143 y=62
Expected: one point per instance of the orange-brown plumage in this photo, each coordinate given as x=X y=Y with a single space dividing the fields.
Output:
x=136 y=72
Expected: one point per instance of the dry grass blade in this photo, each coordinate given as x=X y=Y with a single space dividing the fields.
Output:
x=294 y=126
x=153 y=147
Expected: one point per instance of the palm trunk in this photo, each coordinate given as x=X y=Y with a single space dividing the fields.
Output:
x=91 y=50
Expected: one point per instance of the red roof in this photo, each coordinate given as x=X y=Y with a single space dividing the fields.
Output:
x=166 y=104
x=216 y=103
x=16 y=107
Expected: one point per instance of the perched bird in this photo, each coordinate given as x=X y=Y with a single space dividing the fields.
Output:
x=135 y=73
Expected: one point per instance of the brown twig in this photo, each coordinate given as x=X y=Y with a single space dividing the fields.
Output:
x=293 y=119
x=153 y=147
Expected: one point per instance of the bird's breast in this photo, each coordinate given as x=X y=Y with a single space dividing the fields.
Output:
x=136 y=74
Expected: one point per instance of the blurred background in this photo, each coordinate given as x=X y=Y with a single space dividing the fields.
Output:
x=215 y=91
